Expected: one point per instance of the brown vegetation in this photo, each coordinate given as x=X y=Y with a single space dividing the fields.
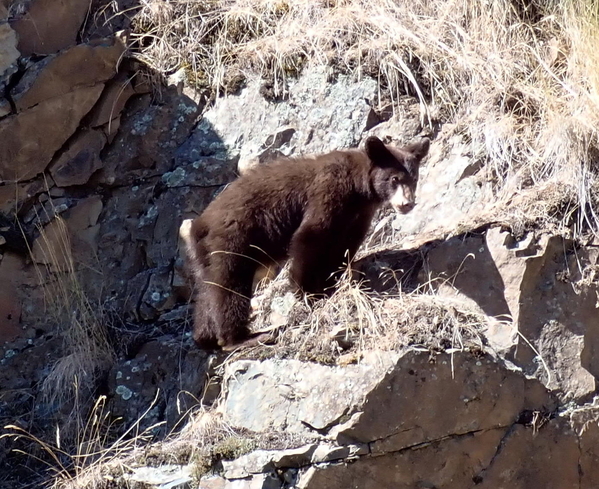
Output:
x=519 y=78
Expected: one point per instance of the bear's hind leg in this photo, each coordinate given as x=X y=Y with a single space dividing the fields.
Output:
x=198 y=263
x=231 y=291
x=204 y=328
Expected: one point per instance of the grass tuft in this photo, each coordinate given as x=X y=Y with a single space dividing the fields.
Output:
x=355 y=320
x=86 y=348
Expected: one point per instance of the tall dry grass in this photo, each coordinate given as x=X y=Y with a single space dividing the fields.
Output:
x=86 y=348
x=96 y=457
x=519 y=78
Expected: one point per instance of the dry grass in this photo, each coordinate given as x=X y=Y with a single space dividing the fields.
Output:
x=86 y=349
x=519 y=78
x=98 y=456
x=355 y=320
x=84 y=433
x=204 y=441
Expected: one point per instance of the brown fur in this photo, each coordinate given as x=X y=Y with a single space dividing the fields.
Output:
x=315 y=211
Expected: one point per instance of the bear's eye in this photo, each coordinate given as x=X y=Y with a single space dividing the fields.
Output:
x=395 y=181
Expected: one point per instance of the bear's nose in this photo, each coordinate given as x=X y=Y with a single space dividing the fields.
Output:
x=404 y=209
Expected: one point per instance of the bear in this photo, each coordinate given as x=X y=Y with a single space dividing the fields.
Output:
x=315 y=211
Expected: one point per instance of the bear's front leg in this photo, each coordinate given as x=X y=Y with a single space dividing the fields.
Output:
x=311 y=265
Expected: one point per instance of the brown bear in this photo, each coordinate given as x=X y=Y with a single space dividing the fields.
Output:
x=315 y=211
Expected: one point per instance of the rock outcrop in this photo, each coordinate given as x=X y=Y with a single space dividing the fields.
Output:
x=542 y=291
x=421 y=420
x=47 y=26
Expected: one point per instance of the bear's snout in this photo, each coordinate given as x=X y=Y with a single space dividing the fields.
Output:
x=403 y=199
x=405 y=208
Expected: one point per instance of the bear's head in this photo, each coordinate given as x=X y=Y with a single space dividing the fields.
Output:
x=394 y=171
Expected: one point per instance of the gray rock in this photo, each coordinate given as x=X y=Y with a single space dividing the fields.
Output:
x=260 y=461
x=424 y=399
x=295 y=396
x=317 y=117
x=536 y=291
x=164 y=477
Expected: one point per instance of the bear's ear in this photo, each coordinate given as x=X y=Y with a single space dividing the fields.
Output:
x=377 y=151
x=420 y=149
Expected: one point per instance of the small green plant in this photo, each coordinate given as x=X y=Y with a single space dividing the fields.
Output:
x=229 y=448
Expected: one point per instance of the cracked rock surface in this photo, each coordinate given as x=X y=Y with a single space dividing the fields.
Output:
x=453 y=421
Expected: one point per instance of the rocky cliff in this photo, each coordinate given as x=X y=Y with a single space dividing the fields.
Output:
x=465 y=354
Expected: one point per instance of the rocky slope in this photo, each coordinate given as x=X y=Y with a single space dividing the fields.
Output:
x=97 y=171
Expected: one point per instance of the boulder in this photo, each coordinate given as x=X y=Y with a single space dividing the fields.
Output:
x=426 y=420
x=37 y=133
x=552 y=303
x=47 y=26
x=295 y=396
x=79 y=160
x=83 y=65
x=537 y=292
x=425 y=399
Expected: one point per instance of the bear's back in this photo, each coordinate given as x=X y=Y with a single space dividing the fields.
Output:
x=266 y=205
x=288 y=184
